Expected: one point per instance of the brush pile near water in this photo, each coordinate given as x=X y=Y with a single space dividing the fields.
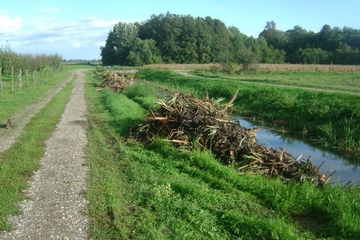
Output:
x=189 y=122
x=115 y=81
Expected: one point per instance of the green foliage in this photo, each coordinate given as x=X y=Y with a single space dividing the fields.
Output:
x=173 y=38
x=309 y=56
x=124 y=47
x=329 y=45
x=9 y=59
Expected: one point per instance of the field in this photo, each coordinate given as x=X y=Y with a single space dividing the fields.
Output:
x=266 y=67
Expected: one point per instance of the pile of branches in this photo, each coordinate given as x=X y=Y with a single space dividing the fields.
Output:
x=115 y=81
x=191 y=122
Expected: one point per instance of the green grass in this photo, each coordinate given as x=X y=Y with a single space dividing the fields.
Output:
x=12 y=102
x=160 y=192
x=19 y=161
x=304 y=112
x=337 y=81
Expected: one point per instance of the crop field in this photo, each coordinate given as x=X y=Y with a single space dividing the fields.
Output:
x=267 y=67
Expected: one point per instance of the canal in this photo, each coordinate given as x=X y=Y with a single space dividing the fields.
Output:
x=345 y=170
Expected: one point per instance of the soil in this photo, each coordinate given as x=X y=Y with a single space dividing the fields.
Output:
x=56 y=207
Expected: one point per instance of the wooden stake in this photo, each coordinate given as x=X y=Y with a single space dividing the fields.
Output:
x=27 y=77
x=34 y=81
x=19 y=80
x=1 y=85
x=12 y=78
x=8 y=124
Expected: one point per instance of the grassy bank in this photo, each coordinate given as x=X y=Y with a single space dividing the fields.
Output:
x=19 y=161
x=329 y=119
x=160 y=192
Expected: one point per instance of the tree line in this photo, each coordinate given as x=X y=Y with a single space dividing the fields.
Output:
x=11 y=61
x=172 y=38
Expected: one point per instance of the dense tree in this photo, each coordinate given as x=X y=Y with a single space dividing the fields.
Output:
x=309 y=56
x=173 y=38
x=275 y=38
x=124 y=47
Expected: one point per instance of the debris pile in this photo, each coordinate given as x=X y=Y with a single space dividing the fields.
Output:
x=115 y=81
x=189 y=122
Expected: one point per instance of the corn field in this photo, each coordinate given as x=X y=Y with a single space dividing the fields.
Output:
x=266 y=67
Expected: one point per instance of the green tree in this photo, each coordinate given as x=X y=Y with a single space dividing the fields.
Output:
x=309 y=56
x=346 y=55
x=274 y=37
x=124 y=47
x=266 y=53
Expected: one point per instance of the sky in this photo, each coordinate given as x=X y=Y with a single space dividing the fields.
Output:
x=75 y=29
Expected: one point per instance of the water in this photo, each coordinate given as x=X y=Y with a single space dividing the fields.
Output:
x=345 y=171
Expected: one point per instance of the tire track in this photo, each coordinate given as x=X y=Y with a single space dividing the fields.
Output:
x=57 y=206
x=23 y=116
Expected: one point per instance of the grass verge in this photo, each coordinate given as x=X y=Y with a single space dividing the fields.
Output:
x=22 y=159
x=159 y=192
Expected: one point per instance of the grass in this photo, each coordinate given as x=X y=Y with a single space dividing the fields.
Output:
x=12 y=102
x=160 y=192
x=289 y=108
x=19 y=161
x=336 y=81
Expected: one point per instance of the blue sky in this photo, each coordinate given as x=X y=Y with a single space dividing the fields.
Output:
x=77 y=28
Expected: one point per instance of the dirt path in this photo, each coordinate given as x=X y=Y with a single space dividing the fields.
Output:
x=22 y=117
x=57 y=206
x=187 y=73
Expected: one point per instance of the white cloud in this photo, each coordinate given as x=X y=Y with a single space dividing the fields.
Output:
x=96 y=22
x=69 y=38
x=8 y=25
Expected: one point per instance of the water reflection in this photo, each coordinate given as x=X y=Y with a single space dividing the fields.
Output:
x=345 y=171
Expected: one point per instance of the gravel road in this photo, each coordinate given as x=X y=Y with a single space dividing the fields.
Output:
x=57 y=206
x=22 y=117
